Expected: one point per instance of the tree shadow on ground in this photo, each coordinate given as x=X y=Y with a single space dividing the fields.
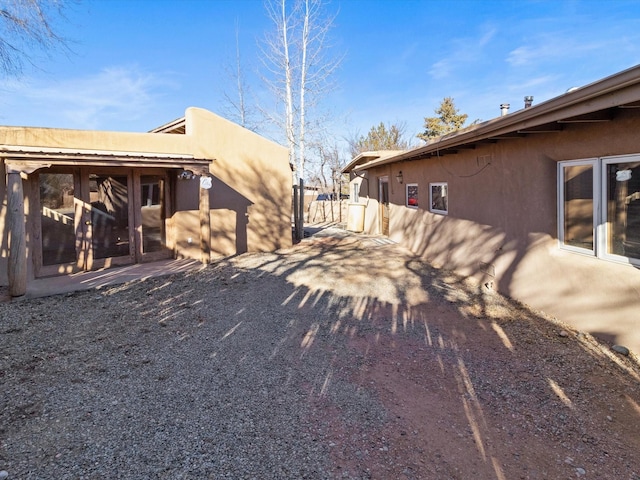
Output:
x=493 y=357
x=404 y=370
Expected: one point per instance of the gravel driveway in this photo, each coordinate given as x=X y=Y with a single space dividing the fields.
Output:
x=339 y=358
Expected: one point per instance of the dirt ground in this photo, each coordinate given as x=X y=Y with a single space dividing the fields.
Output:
x=478 y=386
x=408 y=372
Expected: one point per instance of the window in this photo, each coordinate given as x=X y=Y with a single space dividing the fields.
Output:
x=599 y=209
x=577 y=215
x=438 y=198
x=621 y=206
x=412 y=195
x=355 y=193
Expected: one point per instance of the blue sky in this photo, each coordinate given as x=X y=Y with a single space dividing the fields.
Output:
x=136 y=64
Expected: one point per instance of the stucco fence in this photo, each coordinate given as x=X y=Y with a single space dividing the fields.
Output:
x=326 y=211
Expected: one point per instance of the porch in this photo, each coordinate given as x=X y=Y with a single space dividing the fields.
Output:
x=44 y=287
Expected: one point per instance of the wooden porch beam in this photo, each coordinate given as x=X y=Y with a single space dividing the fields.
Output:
x=17 y=266
x=205 y=226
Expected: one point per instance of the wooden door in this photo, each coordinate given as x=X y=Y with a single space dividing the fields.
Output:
x=384 y=205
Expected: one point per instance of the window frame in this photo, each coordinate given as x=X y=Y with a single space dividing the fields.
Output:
x=406 y=195
x=601 y=225
x=446 y=196
x=355 y=192
x=593 y=162
x=604 y=225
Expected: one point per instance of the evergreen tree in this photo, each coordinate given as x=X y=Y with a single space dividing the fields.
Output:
x=448 y=120
x=381 y=137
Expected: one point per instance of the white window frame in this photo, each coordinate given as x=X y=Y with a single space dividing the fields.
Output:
x=446 y=190
x=593 y=162
x=603 y=227
x=600 y=224
x=355 y=192
x=406 y=195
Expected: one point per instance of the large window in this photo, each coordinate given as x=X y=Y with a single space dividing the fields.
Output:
x=438 y=199
x=621 y=206
x=578 y=208
x=599 y=208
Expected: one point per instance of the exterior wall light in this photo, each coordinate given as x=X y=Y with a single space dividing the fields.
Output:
x=186 y=175
x=399 y=177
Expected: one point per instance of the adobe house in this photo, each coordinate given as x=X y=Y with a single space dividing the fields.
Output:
x=542 y=204
x=198 y=187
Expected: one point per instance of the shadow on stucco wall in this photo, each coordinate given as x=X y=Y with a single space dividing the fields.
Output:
x=250 y=209
x=588 y=293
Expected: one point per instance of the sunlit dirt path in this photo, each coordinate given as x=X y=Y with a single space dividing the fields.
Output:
x=472 y=385
x=342 y=357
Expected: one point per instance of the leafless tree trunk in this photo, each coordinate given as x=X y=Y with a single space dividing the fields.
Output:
x=299 y=69
x=304 y=44
x=238 y=106
x=27 y=25
x=288 y=72
x=241 y=105
x=280 y=75
x=329 y=160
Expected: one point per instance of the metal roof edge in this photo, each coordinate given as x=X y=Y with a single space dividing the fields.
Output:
x=26 y=149
x=526 y=117
x=167 y=127
x=373 y=154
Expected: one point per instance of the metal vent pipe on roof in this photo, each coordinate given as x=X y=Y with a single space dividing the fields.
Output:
x=504 y=109
x=528 y=101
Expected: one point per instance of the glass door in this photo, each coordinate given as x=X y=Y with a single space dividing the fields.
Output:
x=107 y=219
x=58 y=218
x=84 y=221
x=152 y=213
x=97 y=217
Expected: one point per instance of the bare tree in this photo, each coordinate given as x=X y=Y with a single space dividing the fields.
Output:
x=239 y=109
x=326 y=171
x=299 y=69
x=27 y=25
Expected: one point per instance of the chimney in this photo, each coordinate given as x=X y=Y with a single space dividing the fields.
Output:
x=528 y=100
x=504 y=109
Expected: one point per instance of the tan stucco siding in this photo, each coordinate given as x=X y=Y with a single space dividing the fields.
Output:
x=501 y=225
x=253 y=179
x=96 y=140
x=186 y=227
x=250 y=201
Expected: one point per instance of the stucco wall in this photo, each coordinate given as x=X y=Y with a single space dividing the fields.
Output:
x=501 y=225
x=368 y=196
x=250 y=199
x=95 y=140
x=252 y=180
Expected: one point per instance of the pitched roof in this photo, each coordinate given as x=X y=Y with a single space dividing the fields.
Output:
x=365 y=157
x=596 y=102
x=28 y=159
x=175 y=126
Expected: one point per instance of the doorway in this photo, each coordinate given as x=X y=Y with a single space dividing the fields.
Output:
x=94 y=218
x=383 y=195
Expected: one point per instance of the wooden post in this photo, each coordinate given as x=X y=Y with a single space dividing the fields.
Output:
x=17 y=267
x=301 y=211
x=205 y=226
x=296 y=220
